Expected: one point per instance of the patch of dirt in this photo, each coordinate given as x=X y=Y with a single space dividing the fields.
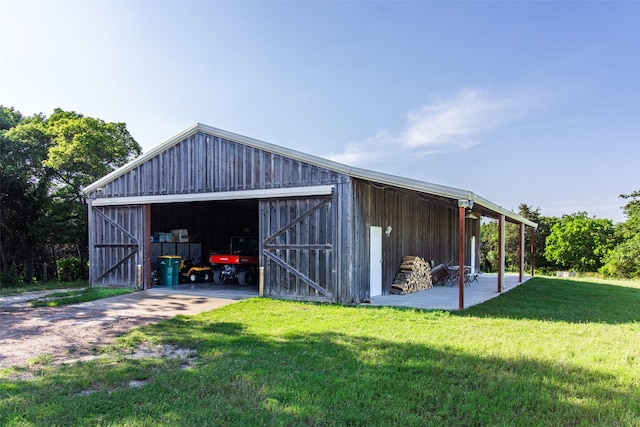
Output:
x=62 y=334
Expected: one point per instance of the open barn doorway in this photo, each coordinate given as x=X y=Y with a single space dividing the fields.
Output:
x=194 y=231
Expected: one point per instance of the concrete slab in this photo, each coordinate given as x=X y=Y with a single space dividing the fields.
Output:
x=164 y=301
x=446 y=297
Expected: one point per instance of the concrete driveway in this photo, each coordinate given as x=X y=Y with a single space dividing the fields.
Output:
x=165 y=302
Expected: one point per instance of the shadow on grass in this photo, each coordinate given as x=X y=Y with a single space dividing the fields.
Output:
x=319 y=379
x=564 y=300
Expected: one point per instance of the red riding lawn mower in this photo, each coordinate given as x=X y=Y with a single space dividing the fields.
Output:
x=239 y=262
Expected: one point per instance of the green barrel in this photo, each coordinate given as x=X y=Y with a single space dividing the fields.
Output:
x=169 y=263
x=176 y=270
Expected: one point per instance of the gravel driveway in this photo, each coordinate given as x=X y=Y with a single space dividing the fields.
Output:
x=72 y=332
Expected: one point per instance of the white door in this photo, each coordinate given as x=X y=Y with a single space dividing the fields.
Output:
x=473 y=254
x=375 y=261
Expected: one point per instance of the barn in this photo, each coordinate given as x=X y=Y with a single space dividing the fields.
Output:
x=325 y=231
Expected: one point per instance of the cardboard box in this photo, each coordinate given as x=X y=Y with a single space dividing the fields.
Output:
x=180 y=235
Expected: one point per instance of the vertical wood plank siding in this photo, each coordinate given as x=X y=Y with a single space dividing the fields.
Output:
x=116 y=248
x=204 y=163
x=299 y=238
x=419 y=226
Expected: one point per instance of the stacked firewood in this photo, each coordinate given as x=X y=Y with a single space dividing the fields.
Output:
x=414 y=276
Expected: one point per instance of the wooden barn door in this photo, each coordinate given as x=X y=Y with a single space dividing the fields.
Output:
x=298 y=238
x=115 y=240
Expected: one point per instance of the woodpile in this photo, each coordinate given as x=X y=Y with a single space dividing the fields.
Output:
x=414 y=276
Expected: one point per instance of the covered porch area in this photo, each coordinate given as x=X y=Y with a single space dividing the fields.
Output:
x=447 y=297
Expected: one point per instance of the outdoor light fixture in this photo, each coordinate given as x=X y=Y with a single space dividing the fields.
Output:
x=388 y=230
x=465 y=204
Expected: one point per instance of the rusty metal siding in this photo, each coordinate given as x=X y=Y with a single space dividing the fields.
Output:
x=420 y=225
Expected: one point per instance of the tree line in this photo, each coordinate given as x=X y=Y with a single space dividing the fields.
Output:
x=44 y=164
x=575 y=242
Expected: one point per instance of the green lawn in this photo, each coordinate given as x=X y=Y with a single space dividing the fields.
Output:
x=69 y=293
x=76 y=296
x=14 y=290
x=550 y=352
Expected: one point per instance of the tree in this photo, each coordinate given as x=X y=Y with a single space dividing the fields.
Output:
x=623 y=261
x=8 y=119
x=545 y=223
x=489 y=246
x=489 y=242
x=579 y=242
x=512 y=239
x=25 y=184
x=45 y=164
x=83 y=150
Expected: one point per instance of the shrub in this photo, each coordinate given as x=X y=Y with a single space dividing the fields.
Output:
x=12 y=279
x=545 y=271
x=69 y=269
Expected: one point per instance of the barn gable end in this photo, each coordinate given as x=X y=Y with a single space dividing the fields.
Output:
x=298 y=233
x=204 y=163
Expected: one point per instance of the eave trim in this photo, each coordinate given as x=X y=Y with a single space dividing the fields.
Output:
x=269 y=193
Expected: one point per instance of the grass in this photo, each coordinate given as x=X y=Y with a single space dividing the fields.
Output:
x=550 y=352
x=14 y=290
x=57 y=299
x=70 y=293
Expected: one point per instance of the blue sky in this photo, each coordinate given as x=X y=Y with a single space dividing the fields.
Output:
x=519 y=102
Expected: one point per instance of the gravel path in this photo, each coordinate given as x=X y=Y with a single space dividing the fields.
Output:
x=64 y=333
x=73 y=332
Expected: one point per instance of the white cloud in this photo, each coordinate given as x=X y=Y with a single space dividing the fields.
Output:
x=443 y=125
x=600 y=208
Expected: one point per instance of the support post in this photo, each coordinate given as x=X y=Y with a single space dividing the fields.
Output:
x=146 y=256
x=461 y=239
x=261 y=281
x=533 y=248
x=91 y=220
x=521 y=253
x=500 y=253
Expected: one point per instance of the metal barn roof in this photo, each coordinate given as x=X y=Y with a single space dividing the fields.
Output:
x=481 y=205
